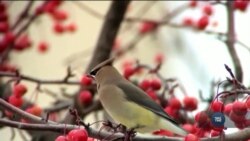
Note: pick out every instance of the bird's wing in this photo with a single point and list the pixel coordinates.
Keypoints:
(135, 94)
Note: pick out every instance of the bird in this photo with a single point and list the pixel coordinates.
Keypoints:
(129, 105)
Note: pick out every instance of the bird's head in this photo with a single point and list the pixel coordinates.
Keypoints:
(105, 72)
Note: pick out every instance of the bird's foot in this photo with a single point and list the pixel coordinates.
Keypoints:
(129, 134)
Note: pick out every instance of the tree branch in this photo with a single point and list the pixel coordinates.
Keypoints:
(104, 45)
(231, 40)
(108, 33)
(36, 80)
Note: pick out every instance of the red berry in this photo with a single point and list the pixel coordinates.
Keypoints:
(248, 103)
(3, 45)
(215, 133)
(37, 110)
(190, 103)
(60, 15)
(7, 67)
(240, 125)
(22, 42)
(86, 81)
(39, 10)
(128, 71)
(191, 137)
(4, 26)
(152, 94)
(15, 101)
(85, 97)
(71, 27)
(34, 110)
(78, 135)
(236, 118)
(239, 108)
(43, 47)
(3, 17)
(172, 112)
(208, 10)
(193, 3)
(217, 106)
(50, 7)
(174, 103)
(228, 108)
(188, 21)
(58, 28)
(203, 22)
(145, 84)
(61, 138)
(147, 26)
(9, 37)
(156, 84)
(127, 63)
(19, 90)
(163, 133)
(159, 58)
(2, 7)
(189, 128)
(201, 118)
(241, 5)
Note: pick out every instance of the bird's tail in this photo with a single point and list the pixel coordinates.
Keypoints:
(168, 125)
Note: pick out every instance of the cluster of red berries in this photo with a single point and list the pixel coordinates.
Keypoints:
(241, 5)
(203, 21)
(74, 135)
(16, 98)
(150, 86)
(172, 108)
(23, 41)
(236, 111)
(174, 105)
(85, 96)
(8, 37)
(129, 70)
(58, 15)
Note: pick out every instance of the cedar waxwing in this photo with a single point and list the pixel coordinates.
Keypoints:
(128, 104)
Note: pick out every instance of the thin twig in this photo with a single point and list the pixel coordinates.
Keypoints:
(38, 81)
(23, 15)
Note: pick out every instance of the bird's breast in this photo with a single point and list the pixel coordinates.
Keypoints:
(126, 112)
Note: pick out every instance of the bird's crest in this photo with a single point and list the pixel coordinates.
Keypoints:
(107, 62)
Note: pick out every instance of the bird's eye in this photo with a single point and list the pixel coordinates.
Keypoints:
(93, 72)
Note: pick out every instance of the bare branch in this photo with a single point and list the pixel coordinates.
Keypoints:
(231, 40)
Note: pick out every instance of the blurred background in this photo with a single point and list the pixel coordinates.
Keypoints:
(193, 57)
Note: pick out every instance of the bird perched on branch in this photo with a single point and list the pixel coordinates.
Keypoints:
(128, 104)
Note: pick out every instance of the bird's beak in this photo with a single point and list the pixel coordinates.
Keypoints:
(91, 76)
